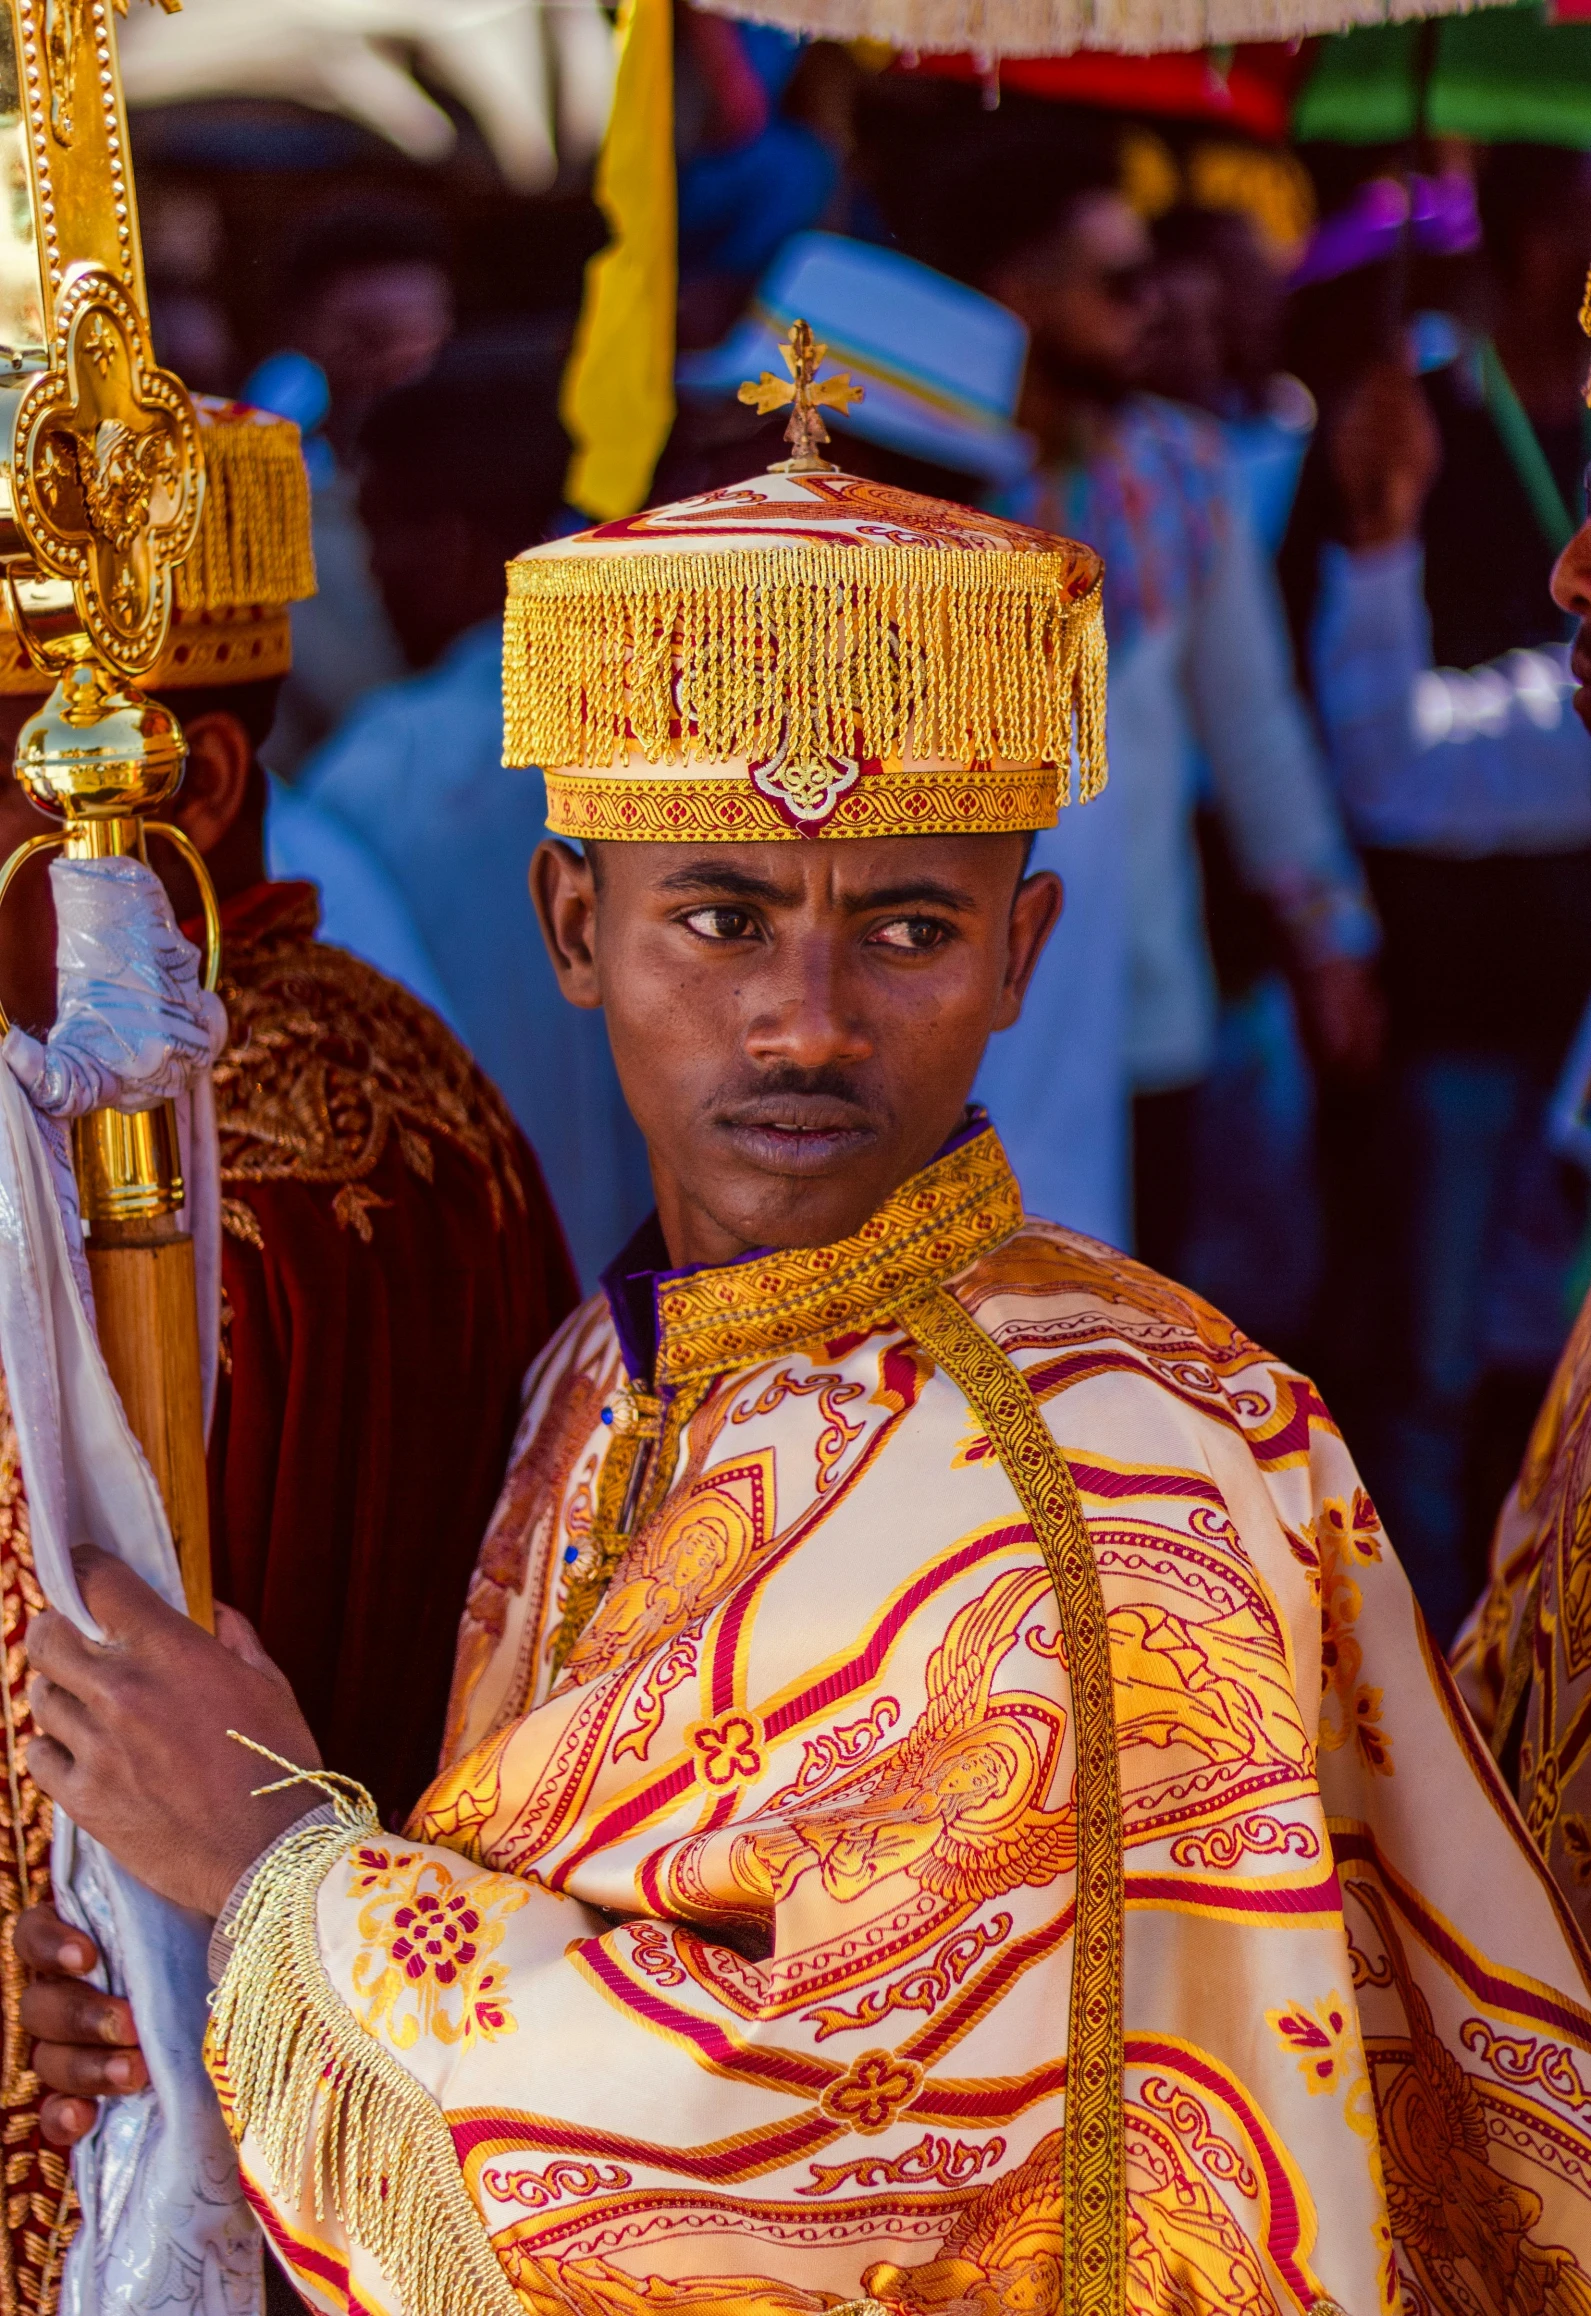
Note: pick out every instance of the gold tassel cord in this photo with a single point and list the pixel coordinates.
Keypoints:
(293, 2065)
(808, 652)
(254, 534)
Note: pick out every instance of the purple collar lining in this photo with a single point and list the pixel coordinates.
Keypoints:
(633, 1278)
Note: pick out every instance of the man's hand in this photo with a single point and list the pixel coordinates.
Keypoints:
(133, 1737)
(1343, 1015)
(1384, 451)
(86, 2046)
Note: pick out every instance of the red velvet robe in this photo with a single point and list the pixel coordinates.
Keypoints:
(391, 1264)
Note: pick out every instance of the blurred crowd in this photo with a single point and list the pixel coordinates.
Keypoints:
(1310, 1037)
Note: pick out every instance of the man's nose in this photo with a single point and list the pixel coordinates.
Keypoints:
(807, 1016)
(1571, 575)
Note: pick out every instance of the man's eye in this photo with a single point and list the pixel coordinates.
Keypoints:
(919, 934)
(720, 924)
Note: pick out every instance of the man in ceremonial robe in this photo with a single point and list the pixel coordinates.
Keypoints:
(390, 1263)
(947, 1802)
(1523, 1660)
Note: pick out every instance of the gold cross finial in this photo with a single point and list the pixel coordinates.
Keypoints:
(802, 393)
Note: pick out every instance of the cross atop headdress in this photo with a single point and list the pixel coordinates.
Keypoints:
(802, 392)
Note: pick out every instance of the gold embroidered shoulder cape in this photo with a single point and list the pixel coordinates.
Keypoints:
(948, 1801)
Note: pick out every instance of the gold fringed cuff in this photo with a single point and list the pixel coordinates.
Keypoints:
(944, 659)
(329, 2106)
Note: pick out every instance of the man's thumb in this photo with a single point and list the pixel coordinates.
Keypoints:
(116, 1597)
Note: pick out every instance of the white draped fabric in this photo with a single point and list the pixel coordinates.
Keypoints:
(164, 2221)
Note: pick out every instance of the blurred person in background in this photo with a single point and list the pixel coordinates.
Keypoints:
(361, 909)
(1031, 213)
(1214, 344)
(460, 470)
(1253, 1239)
(1440, 668)
(369, 305)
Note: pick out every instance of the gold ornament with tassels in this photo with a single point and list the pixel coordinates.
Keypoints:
(809, 654)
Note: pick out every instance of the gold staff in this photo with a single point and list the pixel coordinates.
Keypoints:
(101, 483)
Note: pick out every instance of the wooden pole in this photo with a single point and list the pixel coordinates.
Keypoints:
(144, 1300)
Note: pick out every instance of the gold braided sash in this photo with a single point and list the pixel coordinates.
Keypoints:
(1094, 2196)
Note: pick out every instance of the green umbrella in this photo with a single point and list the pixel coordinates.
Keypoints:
(1501, 73)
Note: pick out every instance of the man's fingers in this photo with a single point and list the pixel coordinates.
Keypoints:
(89, 2073)
(60, 1712)
(65, 2121)
(44, 1942)
(56, 1647)
(52, 1768)
(64, 2010)
(118, 1600)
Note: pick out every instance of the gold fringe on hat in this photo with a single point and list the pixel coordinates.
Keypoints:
(254, 536)
(946, 668)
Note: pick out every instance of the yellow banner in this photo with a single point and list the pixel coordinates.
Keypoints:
(618, 393)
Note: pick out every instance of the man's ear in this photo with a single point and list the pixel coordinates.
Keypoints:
(564, 888)
(1035, 913)
(215, 780)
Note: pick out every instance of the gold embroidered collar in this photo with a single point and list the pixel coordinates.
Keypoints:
(963, 1205)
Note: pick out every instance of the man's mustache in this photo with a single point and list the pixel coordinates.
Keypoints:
(827, 1096)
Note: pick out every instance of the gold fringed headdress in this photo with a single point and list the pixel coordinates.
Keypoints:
(251, 559)
(809, 654)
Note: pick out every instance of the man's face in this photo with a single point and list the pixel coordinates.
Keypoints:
(1087, 295)
(1571, 591)
(796, 1026)
(376, 327)
(1185, 352)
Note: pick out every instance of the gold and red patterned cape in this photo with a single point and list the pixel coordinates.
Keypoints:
(1523, 1661)
(728, 1968)
(390, 1265)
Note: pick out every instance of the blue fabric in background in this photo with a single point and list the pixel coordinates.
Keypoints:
(737, 208)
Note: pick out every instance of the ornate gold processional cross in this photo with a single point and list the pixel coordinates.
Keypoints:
(802, 393)
(101, 485)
